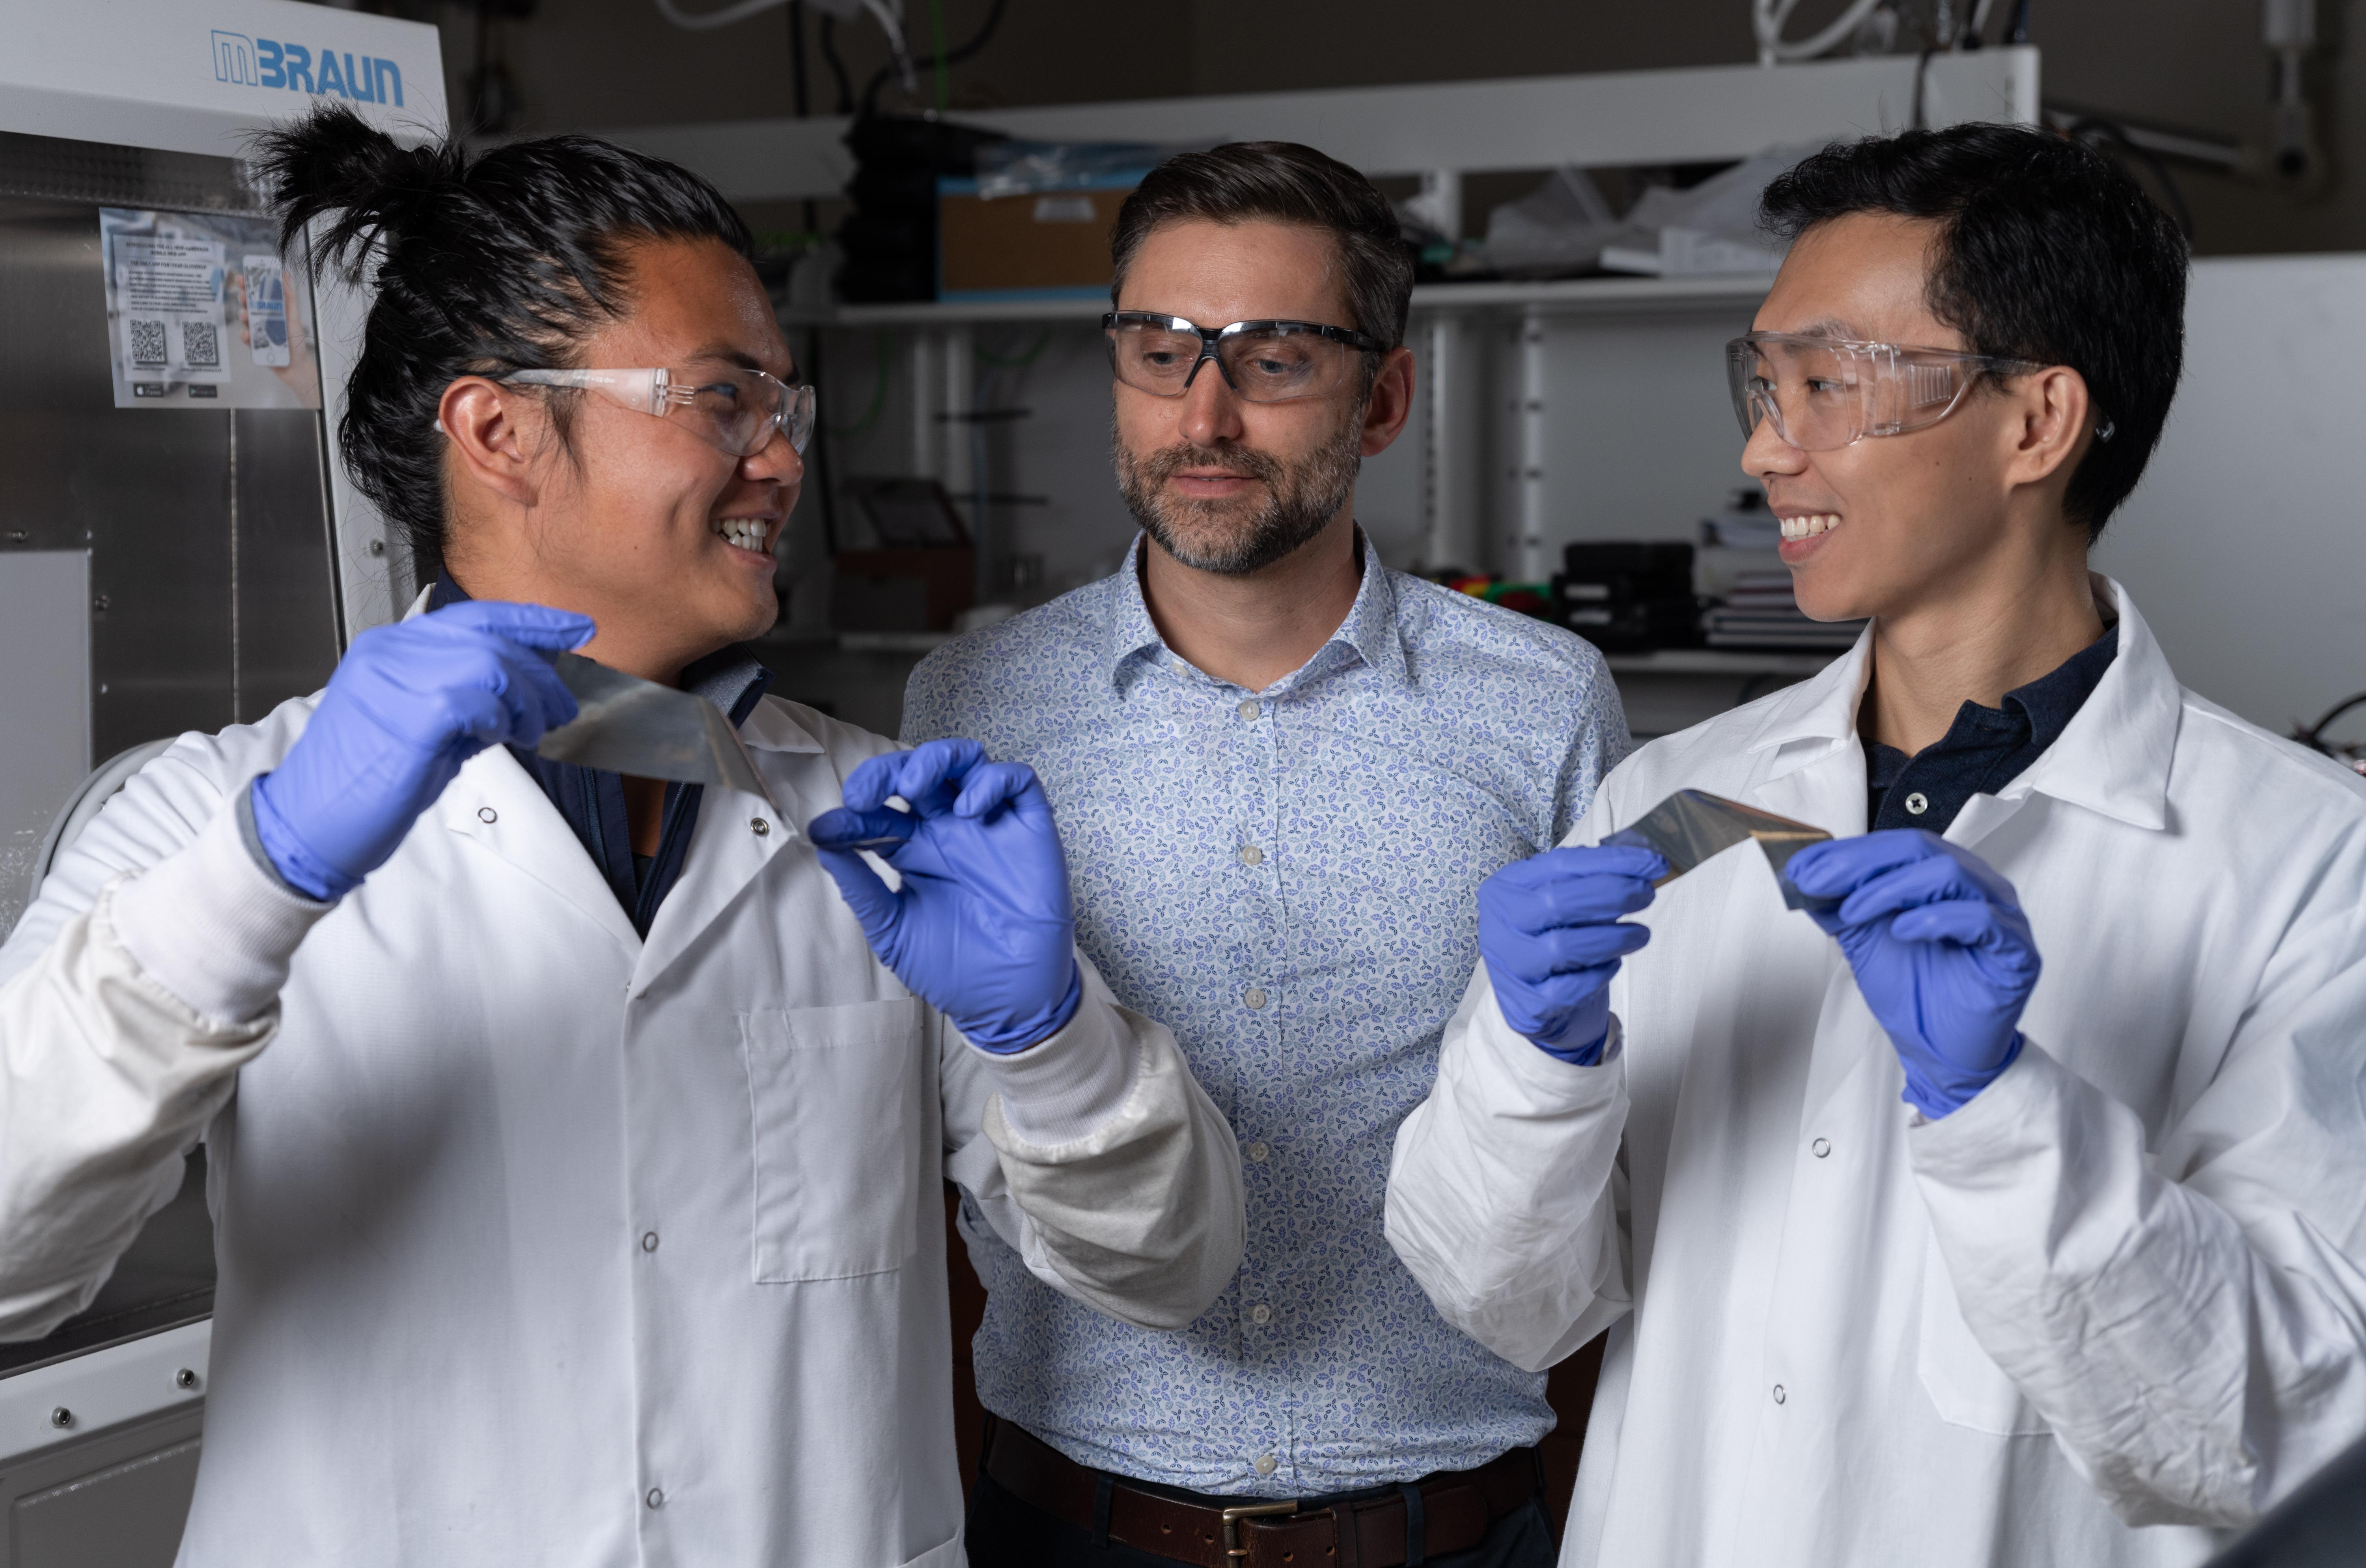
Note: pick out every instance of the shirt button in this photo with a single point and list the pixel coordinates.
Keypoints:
(758, 827)
(1256, 998)
(487, 814)
(1260, 1152)
(649, 1241)
(1821, 1147)
(1260, 1314)
(1267, 1464)
(1249, 710)
(656, 1499)
(1252, 855)
(1778, 1393)
(1917, 804)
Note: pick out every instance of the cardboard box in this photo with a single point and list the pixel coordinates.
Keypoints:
(902, 591)
(1040, 245)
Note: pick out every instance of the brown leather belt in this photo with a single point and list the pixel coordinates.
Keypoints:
(1368, 1531)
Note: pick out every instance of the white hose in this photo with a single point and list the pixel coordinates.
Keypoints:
(890, 16)
(708, 20)
(1767, 17)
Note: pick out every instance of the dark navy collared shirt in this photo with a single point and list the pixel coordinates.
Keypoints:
(1985, 749)
(592, 800)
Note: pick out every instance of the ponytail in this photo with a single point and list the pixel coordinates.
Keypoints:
(483, 265)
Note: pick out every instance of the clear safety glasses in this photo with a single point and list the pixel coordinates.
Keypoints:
(735, 410)
(1825, 393)
(1263, 362)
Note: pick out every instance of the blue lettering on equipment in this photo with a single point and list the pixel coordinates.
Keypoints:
(234, 59)
(270, 63)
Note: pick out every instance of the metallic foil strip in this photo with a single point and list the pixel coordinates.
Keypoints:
(631, 726)
(1691, 824)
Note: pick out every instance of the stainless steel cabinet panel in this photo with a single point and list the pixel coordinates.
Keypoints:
(115, 1500)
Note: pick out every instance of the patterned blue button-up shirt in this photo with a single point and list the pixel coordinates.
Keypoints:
(1286, 879)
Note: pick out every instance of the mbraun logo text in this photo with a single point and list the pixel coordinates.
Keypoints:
(267, 62)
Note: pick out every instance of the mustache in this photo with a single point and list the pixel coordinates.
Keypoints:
(1159, 467)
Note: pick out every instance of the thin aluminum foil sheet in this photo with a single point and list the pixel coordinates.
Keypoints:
(1691, 824)
(630, 725)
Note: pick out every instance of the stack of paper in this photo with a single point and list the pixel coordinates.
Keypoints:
(1760, 611)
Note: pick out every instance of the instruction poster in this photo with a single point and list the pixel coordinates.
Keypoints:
(202, 311)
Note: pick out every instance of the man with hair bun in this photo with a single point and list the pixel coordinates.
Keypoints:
(2095, 1291)
(1284, 770)
(575, 1141)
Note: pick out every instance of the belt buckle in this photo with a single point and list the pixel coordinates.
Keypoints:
(1233, 1547)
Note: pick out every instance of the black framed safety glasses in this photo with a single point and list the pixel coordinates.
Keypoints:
(1262, 362)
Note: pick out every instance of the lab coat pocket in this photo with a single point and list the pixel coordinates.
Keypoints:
(835, 1093)
(1969, 1389)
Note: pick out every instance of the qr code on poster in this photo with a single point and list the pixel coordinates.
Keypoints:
(147, 341)
(201, 345)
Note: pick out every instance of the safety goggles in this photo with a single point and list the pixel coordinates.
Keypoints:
(735, 410)
(1262, 362)
(1824, 394)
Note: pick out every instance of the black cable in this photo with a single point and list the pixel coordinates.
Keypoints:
(482, 76)
(821, 439)
(2089, 130)
(2307, 735)
(952, 57)
(801, 86)
(800, 80)
(2018, 31)
(1922, 70)
(837, 66)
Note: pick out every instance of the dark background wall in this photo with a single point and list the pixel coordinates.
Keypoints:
(586, 63)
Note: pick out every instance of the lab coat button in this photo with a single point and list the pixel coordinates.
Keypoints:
(1821, 1147)
(1256, 998)
(487, 814)
(1267, 1464)
(649, 1241)
(656, 1499)
(1260, 1152)
(1249, 710)
(758, 827)
(1917, 804)
(1251, 855)
(1778, 1393)
(1260, 1314)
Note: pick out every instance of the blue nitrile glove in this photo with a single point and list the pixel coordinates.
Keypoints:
(1550, 930)
(1942, 952)
(408, 703)
(982, 928)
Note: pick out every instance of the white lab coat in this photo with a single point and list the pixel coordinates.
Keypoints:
(2120, 1288)
(540, 1243)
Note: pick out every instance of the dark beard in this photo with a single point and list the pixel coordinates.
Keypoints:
(1235, 538)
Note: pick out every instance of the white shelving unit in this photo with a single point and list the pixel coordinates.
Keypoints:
(1466, 377)
(1548, 413)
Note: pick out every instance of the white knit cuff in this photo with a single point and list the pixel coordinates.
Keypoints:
(1071, 1084)
(211, 926)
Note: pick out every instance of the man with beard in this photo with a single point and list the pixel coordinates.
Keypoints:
(1283, 770)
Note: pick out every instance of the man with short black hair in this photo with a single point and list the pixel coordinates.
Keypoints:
(2096, 1293)
(1283, 770)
